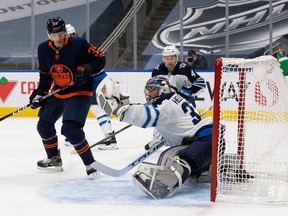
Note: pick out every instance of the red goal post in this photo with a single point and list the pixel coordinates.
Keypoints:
(250, 132)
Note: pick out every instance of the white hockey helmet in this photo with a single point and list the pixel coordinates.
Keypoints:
(70, 29)
(170, 51)
(158, 82)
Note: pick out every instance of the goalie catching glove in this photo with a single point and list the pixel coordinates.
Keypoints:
(111, 88)
(113, 105)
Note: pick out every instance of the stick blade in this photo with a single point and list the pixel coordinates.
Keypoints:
(108, 170)
(117, 173)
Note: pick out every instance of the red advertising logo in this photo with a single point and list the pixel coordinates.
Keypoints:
(6, 88)
(264, 90)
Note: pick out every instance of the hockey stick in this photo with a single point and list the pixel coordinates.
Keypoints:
(116, 172)
(29, 105)
(106, 138)
(211, 107)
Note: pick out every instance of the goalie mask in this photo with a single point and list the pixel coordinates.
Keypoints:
(155, 87)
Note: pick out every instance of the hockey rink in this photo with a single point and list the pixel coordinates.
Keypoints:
(28, 191)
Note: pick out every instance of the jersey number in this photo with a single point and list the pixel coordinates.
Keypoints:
(186, 107)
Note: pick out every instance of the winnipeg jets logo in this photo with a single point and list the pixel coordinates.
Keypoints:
(182, 65)
(156, 67)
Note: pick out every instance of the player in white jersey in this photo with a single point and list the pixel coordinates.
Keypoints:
(100, 80)
(188, 136)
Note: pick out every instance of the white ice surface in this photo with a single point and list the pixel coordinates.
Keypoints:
(24, 190)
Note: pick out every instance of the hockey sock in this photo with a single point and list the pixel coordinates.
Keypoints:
(85, 153)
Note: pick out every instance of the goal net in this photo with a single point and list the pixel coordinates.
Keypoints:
(250, 134)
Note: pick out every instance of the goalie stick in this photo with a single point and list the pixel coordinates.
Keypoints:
(117, 132)
(106, 138)
(119, 172)
(29, 105)
(211, 107)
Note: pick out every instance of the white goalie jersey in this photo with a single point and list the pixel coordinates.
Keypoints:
(174, 117)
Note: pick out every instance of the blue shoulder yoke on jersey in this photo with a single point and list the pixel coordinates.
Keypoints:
(158, 101)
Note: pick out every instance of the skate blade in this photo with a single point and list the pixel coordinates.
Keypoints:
(51, 169)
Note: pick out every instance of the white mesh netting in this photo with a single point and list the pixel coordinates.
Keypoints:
(253, 139)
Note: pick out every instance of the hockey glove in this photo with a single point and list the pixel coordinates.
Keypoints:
(123, 104)
(187, 94)
(111, 88)
(36, 98)
(113, 105)
(82, 73)
(157, 137)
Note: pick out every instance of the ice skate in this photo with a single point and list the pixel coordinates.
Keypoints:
(109, 144)
(51, 164)
(92, 173)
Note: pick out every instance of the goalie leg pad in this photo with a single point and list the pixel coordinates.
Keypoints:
(148, 178)
(160, 181)
(157, 191)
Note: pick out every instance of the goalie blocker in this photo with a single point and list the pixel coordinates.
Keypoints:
(113, 105)
(111, 100)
